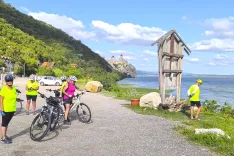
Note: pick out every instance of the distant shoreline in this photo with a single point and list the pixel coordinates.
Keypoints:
(201, 76)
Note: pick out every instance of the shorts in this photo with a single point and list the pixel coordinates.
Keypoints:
(7, 118)
(67, 101)
(31, 97)
(197, 103)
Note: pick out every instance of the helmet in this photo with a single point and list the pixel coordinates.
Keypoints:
(63, 78)
(72, 78)
(32, 77)
(199, 81)
(9, 77)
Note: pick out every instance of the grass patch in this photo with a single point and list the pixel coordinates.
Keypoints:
(128, 91)
(220, 145)
(175, 116)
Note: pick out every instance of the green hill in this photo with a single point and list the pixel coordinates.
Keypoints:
(31, 42)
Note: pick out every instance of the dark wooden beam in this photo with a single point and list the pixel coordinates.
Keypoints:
(172, 55)
(172, 40)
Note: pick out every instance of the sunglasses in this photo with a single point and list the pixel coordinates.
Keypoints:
(9, 81)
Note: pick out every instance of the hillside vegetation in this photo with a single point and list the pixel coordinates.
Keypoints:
(31, 42)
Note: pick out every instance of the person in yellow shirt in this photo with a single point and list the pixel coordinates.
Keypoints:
(32, 87)
(194, 98)
(8, 96)
(64, 82)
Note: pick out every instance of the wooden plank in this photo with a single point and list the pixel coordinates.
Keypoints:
(170, 80)
(172, 41)
(159, 66)
(179, 76)
(165, 65)
(172, 71)
(160, 73)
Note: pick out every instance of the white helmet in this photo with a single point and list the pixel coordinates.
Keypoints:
(63, 78)
(72, 78)
(32, 77)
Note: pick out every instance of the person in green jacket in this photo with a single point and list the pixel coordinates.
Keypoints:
(194, 98)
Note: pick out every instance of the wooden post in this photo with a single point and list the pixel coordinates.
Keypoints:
(159, 66)
(161, 78)
(179, 75)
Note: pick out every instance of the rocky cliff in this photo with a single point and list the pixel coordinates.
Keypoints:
(123, 66)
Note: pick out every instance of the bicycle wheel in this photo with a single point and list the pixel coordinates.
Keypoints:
(83, 113)
(44, 120)
(19, 106)
(54, 119)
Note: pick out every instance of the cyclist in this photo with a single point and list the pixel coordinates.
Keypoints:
(32, 87)
(194, 98)
(64, 82)
(68, 93)
(8, 96)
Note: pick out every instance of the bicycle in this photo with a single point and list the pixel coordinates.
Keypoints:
(79, 106)
(48, 111)
(19, 105)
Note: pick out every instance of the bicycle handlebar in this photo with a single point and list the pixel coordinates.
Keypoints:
(77, 95)
(18, 91)
(51, 90)
(42, 95)
(45, 97)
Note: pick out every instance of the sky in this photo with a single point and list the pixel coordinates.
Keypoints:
(130, 27)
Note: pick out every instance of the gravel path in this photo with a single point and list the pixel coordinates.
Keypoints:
(114, 130)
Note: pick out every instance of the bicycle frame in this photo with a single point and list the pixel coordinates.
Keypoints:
(77, 99)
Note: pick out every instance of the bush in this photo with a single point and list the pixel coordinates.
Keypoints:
(43, 71)
(58, 72)
(211, 106)
(227, 109)
(73, 71)
(107, 79)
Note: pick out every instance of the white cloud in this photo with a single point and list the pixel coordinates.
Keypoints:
(127, 33)
(155, 54)
(219, 37)
(220, 24)
(98, 52)
(146, 59)
(211, 64)
(220, 57)
(222, 34)
(222, 60)
(192, 60)
(129, 57)
(62, 22)
(25, 9)
(120, 52)
(67, 24)
(184, 17)
(124, 33)
(214, 45)
(148, 65)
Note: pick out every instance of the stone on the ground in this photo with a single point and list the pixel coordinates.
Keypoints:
(93, 86)
(151, 100)
(175, 107)
(211, 131)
